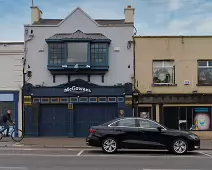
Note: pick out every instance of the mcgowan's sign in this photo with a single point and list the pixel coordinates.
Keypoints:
(77, 90)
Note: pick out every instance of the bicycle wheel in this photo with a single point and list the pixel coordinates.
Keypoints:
(17, 135)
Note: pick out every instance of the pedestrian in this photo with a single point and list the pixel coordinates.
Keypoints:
(4, 119)
(121, 114)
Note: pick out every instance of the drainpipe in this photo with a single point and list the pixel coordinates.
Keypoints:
(134, 80)
(24, 82)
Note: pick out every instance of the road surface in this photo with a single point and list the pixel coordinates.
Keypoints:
(90, 159)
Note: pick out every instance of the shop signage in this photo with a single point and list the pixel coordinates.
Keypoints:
(76, 89)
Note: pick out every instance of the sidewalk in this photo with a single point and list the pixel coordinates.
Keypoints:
(76, 143)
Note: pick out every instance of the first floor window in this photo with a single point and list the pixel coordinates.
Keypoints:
(204, 72)
(57, 53)
(77, 52)
(98, 53)
(163, 72)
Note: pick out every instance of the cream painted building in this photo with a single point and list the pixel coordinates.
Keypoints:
(173, 79)
(11, 66)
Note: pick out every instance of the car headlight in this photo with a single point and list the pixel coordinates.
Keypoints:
(193, 136)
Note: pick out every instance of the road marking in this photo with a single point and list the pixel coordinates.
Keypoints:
(117, 156)
(80, 152)
(206, 154)
(10, 168)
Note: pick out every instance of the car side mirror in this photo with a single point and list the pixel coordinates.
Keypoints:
(159, 128)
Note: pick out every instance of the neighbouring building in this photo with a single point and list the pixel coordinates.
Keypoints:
(11, 68)
(79, 72)
(173, 81)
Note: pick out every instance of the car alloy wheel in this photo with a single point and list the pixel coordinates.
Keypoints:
(179, 146)
(109, 145)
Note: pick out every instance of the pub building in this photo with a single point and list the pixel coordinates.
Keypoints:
(70, 109)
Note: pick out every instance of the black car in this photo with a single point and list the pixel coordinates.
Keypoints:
(140, 133)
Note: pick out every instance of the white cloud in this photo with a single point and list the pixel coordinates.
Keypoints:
(205, 25)
(174, 5)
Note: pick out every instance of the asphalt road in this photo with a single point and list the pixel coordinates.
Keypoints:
(77, 159)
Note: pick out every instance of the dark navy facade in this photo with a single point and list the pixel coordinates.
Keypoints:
(70, 109)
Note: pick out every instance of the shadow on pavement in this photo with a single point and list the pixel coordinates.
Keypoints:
(140, 152)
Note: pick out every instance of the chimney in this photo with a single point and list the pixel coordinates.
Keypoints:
(36, 13)
(129, 14)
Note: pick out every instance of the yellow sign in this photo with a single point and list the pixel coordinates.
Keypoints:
(70, 106)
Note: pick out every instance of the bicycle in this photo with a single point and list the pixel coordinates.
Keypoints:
(15, 134)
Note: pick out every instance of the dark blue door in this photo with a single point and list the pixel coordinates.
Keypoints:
(87, 115)
(53, 120)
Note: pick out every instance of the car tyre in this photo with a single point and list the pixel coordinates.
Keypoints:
(109, 145)
(179, 146)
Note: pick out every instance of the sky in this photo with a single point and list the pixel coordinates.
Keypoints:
(152, 17)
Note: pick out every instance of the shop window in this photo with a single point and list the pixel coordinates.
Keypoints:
(64, 100)
(163, 72)
(54, 100)
(205, 72)
(73, 99)
(120, 99)
(36, 100)
(188, 118)
(45, 100)
(102, 99)
(83, 99)
(93, 99)
(145, 112)
(111, 99)
(4, 106)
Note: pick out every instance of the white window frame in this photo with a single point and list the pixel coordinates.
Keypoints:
(204, 66)
(207, 66)
(163, 66)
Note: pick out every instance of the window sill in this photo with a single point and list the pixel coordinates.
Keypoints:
(203, 84)
(163, 84)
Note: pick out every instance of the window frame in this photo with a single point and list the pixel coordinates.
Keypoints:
(203, 67)
(110, 125)
(161, 67)
(163, 128)
(89, 54)
(80, 63)
(50, 56)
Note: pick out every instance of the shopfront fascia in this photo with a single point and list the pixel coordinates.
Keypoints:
(74, 96)
(178, 111)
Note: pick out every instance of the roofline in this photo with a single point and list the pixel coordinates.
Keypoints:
(111, 25)
(174, 36)
(12, 42)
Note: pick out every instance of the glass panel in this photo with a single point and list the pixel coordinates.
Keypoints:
(125, 122)
(163, 75)
(147, 124)
(204, 75)
(77, 52)
(4, 106)
(202, 118)
(171, 117)
(144, 112)
(202, 63)
(57, 53)
(168, 63)
(157, 64)
(99, 53)
(209, 63)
